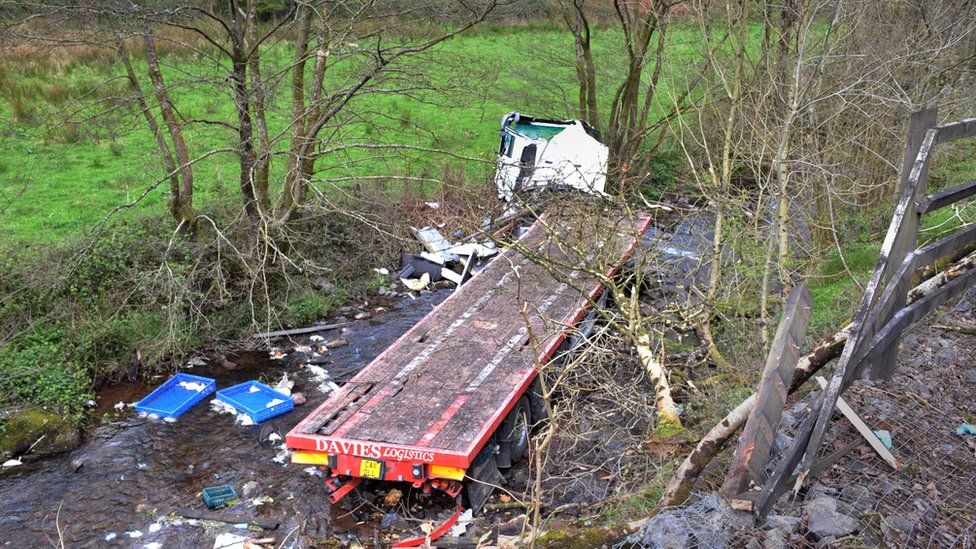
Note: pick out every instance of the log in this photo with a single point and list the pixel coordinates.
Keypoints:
(667, 414)
(300, 331)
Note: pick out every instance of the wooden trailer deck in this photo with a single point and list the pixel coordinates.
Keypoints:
(438, 393)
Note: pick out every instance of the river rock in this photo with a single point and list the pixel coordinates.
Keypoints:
(664, 530)
(339, 342)
(25, 428)
(824, 520)
(298, 399)
(786, 523)
(363, 315)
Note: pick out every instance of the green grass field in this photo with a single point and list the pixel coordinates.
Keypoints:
(62, 178)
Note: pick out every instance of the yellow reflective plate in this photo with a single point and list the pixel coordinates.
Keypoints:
(371, 469)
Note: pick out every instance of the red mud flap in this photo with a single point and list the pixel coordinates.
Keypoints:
(340, 490)
(435, 534)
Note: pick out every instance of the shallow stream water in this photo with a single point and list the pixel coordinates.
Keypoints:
(134, 471)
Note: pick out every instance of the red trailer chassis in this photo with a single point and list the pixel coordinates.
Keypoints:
(423, 410)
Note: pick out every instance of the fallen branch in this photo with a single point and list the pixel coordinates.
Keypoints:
(299, 331)
(709, 446)
(958, 329)
(667, 414)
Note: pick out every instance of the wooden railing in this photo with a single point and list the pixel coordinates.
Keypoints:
(884, 312)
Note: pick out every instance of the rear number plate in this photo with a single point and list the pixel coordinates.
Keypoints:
(369, 468)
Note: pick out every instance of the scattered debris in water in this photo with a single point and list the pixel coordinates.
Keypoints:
(222, 407)
(12, 463)
(133, 534)
(284, 386)
(262, 500)
(229, 541)
(194, 386)
(110, 536)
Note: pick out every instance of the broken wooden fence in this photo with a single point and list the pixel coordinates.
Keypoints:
(756, 443)
(884, 313)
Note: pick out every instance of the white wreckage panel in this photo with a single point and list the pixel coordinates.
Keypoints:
(540, 153)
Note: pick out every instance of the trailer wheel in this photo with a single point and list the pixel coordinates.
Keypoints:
(515, 430)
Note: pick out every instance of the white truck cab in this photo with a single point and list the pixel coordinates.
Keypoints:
(536, 153)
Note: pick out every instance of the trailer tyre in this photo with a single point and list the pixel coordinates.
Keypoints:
(515, 429)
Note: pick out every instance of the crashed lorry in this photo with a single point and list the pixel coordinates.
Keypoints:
(452, 401)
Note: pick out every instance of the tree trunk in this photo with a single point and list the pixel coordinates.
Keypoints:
(181, 203)
(245, 133)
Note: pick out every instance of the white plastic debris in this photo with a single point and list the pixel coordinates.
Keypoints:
(222, 407)
(120, 406)
(382, 271)
(110, 536)
(318, 373)
(90, 403)
(194, 386)
(433, 205)
(416, 284)
(262, 500)
(169, 419)
(12, 463)
(274, 437)
(316, 338)
(313, 471)
(153, 545)
(196, 361)
(461, 526)
(229, 541)
(303, 349)
(133, 534)
(322, 377)
(282, 457)
(284, 386)
(154, 527)
(241, 526)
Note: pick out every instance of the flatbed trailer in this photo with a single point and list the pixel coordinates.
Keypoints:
(426, 408)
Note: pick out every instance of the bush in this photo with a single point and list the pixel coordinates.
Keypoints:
(37, 370)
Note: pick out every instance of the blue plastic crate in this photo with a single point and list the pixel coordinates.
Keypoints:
(170, 399)
(256, 400)
(215, 496)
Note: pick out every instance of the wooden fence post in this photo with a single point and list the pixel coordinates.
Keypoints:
(756, 441)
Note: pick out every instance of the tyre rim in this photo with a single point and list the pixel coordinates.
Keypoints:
(521, 431)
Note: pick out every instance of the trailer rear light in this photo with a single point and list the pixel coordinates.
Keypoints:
(314, 458)
(418, 470)
(443, 471)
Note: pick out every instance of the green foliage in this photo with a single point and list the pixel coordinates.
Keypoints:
(39, 369)
(307, 306)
